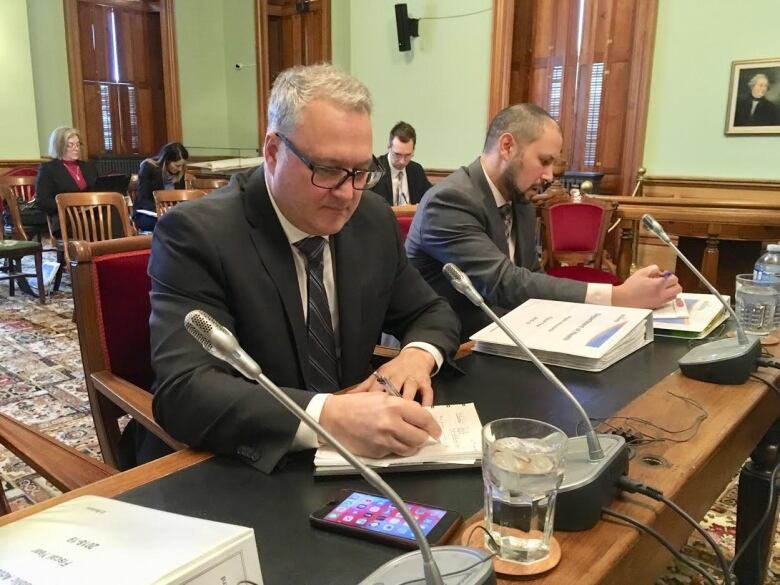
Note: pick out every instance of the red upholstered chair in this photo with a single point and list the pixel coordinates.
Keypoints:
(111, 295)
(23, 171)
(574, 237)
(404, 214)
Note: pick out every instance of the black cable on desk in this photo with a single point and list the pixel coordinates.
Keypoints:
(768, 362)
(762, 522)
(663, 541)
(769, 383)
(631, 486)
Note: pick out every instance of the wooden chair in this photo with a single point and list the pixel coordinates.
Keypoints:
(92, 217)
(23, 189)
(165, 200)
(404, 214)
(204, 184)
(111, 296)
(574, 233)
(23, 171)
(63, 466)
(13, 251)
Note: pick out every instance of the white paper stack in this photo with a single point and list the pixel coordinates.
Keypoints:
(460, 445)
(571, 335)
(93, 541)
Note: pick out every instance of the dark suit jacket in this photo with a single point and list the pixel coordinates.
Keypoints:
(458, 221)
(53, 178)
(765, 114)
(150, 179)
(228, 255)
(415, 177)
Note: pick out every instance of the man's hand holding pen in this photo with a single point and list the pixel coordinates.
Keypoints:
(406, 375)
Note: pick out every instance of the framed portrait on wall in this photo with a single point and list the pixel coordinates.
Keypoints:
(754, 97)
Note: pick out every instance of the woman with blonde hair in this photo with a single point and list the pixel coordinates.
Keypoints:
(64, 173)
(162, 172)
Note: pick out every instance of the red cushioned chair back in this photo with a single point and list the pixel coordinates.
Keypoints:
(122, 288)
(575, 227)
(404, 223)
(23, 171)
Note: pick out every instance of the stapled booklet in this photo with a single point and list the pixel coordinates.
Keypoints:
(704, 313)
(460, 445)
(570, 335)
(93, 541)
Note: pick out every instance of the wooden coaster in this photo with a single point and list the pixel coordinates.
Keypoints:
(474, 537)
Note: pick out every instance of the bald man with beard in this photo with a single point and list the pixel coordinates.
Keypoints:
(480, 218)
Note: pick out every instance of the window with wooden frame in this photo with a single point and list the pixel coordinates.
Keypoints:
(588, 62)
(120, 67)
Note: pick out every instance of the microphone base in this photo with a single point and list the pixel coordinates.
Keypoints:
(589, 485)
(724, 361)
(408, 568)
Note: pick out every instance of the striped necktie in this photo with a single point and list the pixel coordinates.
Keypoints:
(400, 197)
(323, 366)
(506, 214)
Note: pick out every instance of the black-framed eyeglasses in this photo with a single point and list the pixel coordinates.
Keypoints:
(334, 177)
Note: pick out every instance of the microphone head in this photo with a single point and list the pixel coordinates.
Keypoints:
(199, 324)
(649, 222)
(462, 283)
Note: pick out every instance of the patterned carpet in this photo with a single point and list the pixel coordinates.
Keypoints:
(42, 384)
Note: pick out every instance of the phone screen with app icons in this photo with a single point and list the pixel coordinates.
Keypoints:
(376, 517)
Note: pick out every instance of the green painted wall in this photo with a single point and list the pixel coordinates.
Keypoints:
(241, 89)
(440, 87)
(200, 43)
(340, 32)
(18, 124)
(695, 45)
(49, 67)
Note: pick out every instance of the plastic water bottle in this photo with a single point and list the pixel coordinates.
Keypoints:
(767, 269)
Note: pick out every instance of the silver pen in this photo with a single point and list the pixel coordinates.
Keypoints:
(387, 384)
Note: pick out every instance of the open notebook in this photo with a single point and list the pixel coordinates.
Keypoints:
(460, 445)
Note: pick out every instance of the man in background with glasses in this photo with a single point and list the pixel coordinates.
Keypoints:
(404, 181)
(306, 268)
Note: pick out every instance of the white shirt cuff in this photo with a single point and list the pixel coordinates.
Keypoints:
(599, 294)
(431, 349)
(305, 437)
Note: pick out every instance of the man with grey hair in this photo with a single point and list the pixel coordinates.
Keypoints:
(753, 108)
(480, 219)
(306, 269)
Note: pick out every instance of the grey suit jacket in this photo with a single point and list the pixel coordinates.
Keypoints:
(227, 254)
(458, 221)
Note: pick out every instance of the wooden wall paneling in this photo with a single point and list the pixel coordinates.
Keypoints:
(500, 57)
(522, 39)
(638, 92)
(170, 66)
(77, 98)
(262, 58)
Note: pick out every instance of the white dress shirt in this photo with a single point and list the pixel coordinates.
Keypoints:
(597, 293)
(305, 437)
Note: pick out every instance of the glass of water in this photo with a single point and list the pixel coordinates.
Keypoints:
(522, 467)
(756, 304)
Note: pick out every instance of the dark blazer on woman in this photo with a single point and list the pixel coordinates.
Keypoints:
(150, 179)
(53, 179)
(227, 254)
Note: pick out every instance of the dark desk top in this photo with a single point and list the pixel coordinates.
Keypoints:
(277, 506)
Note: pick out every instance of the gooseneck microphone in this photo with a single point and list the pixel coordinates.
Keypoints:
(471, 566)
(591, 469)
(725, 361)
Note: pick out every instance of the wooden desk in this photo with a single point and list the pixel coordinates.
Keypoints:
(712, 221)
(694, 472)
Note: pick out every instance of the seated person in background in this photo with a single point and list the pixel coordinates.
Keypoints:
(275, 259)
(160, 173)
(65, 173)
(404, 181)
(480, 219)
